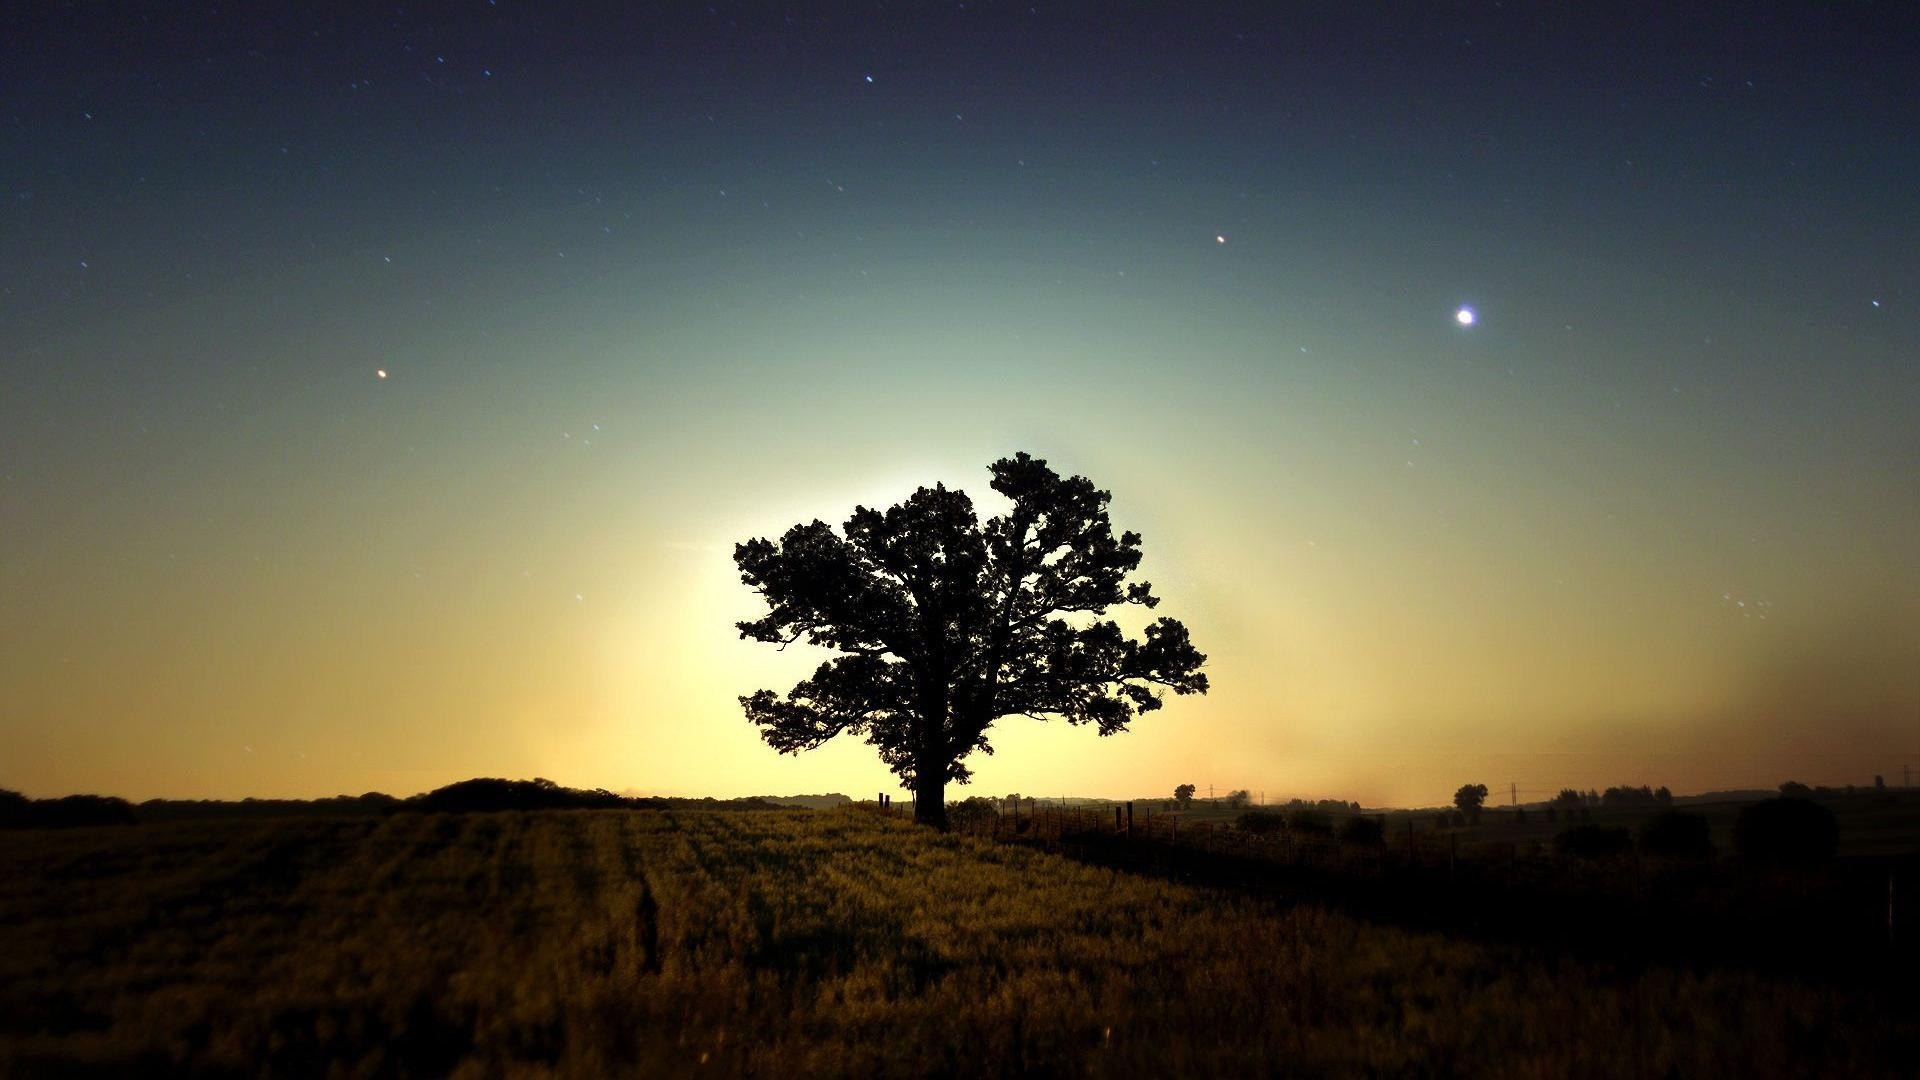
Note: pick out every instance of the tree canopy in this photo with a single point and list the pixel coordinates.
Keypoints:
(1469, 799)
(946, 623)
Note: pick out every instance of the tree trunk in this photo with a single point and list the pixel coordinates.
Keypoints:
(930, 796)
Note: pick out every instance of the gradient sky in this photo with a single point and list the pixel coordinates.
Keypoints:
(646, 285)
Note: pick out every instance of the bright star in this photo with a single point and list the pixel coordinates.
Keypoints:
(1464, 316)
(379, 373)
(1219, 239)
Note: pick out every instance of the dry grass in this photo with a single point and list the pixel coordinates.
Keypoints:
(615, 942)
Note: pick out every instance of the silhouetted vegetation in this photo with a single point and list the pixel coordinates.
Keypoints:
(1183, 795)
(1676, 834)
(72, 811)
(466, 796)
(488, 794)
(925, 595)
(1787, 831)
(1261, 821)
(971, 813)
(1362, 831)
(1309, 823)
(1469, 799)
(1625, 796)
(1593, 841)
(372, 804)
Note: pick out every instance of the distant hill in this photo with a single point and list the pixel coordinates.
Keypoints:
(479, 795)
(810, 802)
(1744, 795)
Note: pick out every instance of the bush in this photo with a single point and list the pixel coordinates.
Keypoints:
(1311, 822)
(488, 794)
(973, 812)
(1364, 832)
(1677, 834)
(1593, 841)
(1260, 821)
(18, 812)
(1786, 831)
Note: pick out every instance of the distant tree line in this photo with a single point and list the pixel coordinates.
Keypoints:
(467, 796)
(1785, 831)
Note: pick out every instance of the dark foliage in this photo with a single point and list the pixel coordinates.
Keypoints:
(1325, 806)
(1469, 799)
(1310, 822)
(1364, 831)
(1794, 789)
(1677, 834)
(73, 811)
(487, 793)
(1261, 821)
(1786, 831)
(1593, 841)
(946, 624)
(1626, 796)
(973, 812)
(1183, 795)
(371, 804)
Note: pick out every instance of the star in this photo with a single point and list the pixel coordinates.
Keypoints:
(1464, 316)
(379, 373)
(1219, 239)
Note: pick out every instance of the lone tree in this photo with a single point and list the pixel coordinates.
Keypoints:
(1183, 794)
(1469, 798)
(947, 624)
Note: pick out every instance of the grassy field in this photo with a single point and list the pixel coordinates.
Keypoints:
(597, 942)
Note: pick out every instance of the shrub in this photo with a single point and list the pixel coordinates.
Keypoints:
(973, 812)
(1677, 834)
(1363, 832)
(1593, 841)
(72, 811)
(1311, 822)
(1786, 831)
(1260, 821)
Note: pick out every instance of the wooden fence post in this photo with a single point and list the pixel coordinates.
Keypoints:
(1129, 817)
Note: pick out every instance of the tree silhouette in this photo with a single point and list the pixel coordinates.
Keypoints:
(947, 624)
(1183, 794)
(1469, 798)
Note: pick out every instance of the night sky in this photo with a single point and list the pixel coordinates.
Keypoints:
(382, 391)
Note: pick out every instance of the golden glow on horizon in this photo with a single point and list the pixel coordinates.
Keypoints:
(1403, 583)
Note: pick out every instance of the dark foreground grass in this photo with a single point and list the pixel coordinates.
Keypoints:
(624, 942)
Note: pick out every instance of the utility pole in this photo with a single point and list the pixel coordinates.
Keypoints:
(1513, 793)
